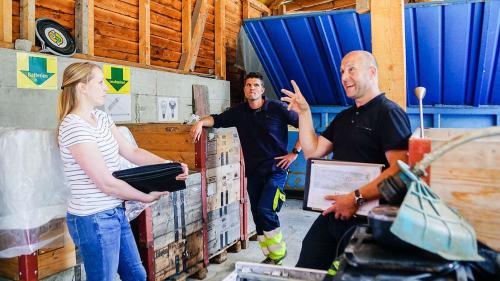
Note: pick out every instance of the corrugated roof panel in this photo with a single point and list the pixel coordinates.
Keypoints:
(452, 49)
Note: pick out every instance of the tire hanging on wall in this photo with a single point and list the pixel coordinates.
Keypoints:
(54, 38)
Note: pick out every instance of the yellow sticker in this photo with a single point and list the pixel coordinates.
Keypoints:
(36, 71)
(117, 78)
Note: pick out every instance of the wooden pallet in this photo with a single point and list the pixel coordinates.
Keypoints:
(251, 237)
(221, 256)
(198, 271)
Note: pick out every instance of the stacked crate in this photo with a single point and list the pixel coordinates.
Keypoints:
(172, 233)
(224, 196)
(47, 261)
(177, 230)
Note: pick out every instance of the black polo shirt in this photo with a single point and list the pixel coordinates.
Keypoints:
(364, 134)
(263, 133)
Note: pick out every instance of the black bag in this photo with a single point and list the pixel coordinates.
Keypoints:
(159, 177)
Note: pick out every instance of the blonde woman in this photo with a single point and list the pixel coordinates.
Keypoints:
(90, 146)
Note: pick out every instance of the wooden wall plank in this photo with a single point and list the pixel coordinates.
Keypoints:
(220, 46)
(301, 4)
(188, 60)
(84, 26)
(6, 21)
(27, 20)
(337, 5)
(388, 45)
(144, 32)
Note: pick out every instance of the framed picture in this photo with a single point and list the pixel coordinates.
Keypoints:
(331, 177)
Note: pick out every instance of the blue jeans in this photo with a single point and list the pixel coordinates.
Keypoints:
(106, 245)
(262, 191)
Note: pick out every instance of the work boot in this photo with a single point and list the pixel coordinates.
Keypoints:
(268, 260)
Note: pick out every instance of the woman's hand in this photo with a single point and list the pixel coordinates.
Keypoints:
(185, 173)
(155, 195)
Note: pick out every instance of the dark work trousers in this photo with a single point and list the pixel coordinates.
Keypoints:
(319, 247)
(262, 191)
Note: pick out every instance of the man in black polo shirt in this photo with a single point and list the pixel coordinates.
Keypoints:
(262, 126)
(373, 130)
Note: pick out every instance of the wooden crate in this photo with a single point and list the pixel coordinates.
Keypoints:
(223, 186)
(55, 257)
(170, 141)
(223, 147)
(176, 257)
(223, 228)
(171, 233)
(466, 178)
(178, 214)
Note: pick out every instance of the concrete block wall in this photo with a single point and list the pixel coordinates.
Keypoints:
(27, 108)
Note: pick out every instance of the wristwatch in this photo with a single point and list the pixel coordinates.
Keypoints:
(295, 151)
(360, 201)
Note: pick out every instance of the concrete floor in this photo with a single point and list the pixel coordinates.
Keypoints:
(295, 223)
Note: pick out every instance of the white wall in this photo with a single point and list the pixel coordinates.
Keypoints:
(26, 108)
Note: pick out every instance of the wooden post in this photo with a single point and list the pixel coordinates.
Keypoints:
(201, 163)
(246, 9)
(144, 32)
(220, 46)
(28, 267)
(199, 18)
(84, 26)
(6, 21)
(388, 45)
(362, 6)
(28, 20)
(146, 242)
(186, 27)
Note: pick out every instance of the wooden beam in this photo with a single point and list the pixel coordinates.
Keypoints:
(256, 5)
(260, 7)
(27, 16)
(6, 45)
(388, 45)
(144, 32)
(301, 4)
(6, 21)
(200, 13)
(341, 4)
(246, 9)
(84, 26)
(362, 6)
(186, 26)
(220, 46)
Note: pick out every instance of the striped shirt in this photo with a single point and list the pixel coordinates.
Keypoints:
(86, 198)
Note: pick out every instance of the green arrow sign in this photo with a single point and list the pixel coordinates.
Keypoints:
(116, 81)
(37, 70)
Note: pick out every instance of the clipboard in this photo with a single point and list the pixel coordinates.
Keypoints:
(326, 176)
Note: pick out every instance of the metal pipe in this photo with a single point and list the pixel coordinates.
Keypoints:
(420, 94)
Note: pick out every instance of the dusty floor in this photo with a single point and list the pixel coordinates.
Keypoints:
(295, 224)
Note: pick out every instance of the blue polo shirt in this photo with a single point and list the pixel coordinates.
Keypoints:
(263, 133)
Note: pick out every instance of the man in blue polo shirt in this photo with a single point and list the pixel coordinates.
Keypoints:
(373, 130)
(262, 126)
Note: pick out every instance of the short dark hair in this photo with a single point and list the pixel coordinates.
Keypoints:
(254, 75)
